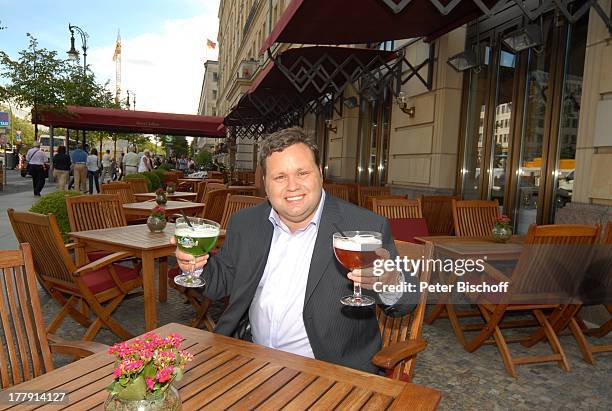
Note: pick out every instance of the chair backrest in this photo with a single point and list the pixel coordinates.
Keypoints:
(212, 187)
(123, 190)
(474, 218)
(51, 259)
(438, 211)
(24, 352)
(139, 185)
(363, 192)
(172, 176)
(337, 190)
(215, 204)
(397, 208)
(243, 190)
(215, 174)
(94, 212)
(235, 202)
(370, 199)
(410, 326)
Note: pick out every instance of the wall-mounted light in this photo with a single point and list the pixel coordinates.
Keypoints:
(403, 104)
(524, 38)
(247, 68)
(351, 102)
(464, 61)
(329, 124)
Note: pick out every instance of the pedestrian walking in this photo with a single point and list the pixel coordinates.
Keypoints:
(79, 169)
(106, 167)
(145, 162)
(36, 160)
(130, 161)
(61, 167)
(93, 170)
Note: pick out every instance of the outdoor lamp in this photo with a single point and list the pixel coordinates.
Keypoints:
(463, 61)
(403, 104)
(524, 38)
(329, 124)
(73, 54)
(350, 102)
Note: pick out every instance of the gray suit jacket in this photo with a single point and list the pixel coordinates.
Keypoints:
(342, 335)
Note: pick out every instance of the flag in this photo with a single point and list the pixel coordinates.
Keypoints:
(211, 44)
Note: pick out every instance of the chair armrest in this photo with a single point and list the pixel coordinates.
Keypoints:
(71, 246)
(79, 348)
(390, 356)
(103, 262)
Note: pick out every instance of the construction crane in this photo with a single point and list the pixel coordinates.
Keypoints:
(117, 60)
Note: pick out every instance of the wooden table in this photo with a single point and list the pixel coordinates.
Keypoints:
(177, 195)
(143, 209)
(193, 182)
(228, 373)
(476, 247)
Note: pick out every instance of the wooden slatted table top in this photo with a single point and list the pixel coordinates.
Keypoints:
(132, 236)
(190, 179)
(231, 374)
(170, 205)
(476, 246)
(187, 195)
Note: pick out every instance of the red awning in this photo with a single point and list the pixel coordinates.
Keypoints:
(368, 21)
(299, 75)
(126, 121)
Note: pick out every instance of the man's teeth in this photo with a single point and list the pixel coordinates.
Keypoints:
(295, 198)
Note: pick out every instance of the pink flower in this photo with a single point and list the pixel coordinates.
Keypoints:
(164, 374)
(150, 383)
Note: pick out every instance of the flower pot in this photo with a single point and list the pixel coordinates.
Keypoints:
(161, 199)
(170, 189)
(501, 234)
(169, 400)
(156, 224)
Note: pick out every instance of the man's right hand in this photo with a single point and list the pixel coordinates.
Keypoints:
(185, 260)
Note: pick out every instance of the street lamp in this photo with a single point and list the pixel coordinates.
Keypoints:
(73, 54)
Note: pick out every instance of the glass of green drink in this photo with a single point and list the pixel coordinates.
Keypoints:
(197, 239)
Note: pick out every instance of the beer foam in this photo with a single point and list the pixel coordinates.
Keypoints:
(358, 243)
(183, 230)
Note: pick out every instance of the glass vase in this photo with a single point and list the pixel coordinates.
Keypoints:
(501, 234)
(161, 199)
(169, 400)
(156, 224)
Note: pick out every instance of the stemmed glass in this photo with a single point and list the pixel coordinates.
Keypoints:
(196, 239)
(357, 249)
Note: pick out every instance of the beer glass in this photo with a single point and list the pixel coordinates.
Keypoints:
(196, 240)
(357, 249)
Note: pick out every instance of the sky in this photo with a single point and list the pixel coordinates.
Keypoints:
(163, 43)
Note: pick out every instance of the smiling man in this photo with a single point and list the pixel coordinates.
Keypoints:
(278, 266)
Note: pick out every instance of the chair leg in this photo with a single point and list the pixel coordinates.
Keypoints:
(67, 309)
(583, 344)
(435, 313)
(452, 316)
(606, 328)
(552, 339)
(104, 315)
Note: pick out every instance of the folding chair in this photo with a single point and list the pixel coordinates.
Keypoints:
(438, 212)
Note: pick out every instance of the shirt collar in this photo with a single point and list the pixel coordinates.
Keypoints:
(316, 219)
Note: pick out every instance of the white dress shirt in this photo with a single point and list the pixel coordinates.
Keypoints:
(276, 311)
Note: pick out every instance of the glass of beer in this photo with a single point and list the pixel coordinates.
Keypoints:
(196, 240)
(357, 249)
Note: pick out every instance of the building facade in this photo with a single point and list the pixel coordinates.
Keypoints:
(209, 95)
(526, 128)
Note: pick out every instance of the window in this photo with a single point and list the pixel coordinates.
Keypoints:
(215, 77)
(214, 92)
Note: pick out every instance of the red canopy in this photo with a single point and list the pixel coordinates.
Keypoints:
(126, 121)
(368, 21)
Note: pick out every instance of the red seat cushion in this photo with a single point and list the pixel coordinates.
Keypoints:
(96, 255)
(405, 229)
(101, 280)
(174, 271)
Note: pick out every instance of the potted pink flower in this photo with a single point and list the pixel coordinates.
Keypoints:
(502, 229)
(160, 196)
(145, 369)
(157, 220)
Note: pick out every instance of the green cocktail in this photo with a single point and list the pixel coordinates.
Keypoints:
(196, 240)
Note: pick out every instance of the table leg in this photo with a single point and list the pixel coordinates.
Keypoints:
(148, 285)
(163, 279)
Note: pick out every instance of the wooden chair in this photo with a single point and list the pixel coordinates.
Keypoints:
(235, 202)
(474, 218)
(99, 286)
(202, 188)
(337, 190)
(139, 185)
(123, 190)
(397, 208)
(243, 190)
(438, 212)
(28, 347)
(530, 283)
(370, 199)
(94, 212)
(402, 337)
(215, 174)
(215, 204)
(363, 192)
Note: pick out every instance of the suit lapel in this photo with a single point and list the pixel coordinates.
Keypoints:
(323, 254)
(261, 248)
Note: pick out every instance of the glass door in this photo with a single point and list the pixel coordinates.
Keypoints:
(374, 132)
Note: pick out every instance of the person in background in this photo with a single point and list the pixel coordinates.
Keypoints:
(145, 162)
(121, 167)
(191, 165)
(79, 164)
(130, 162)
(106, 168)
(61, 167)
(93, 165)
(36, 160)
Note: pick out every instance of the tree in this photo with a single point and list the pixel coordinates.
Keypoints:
(35, 78)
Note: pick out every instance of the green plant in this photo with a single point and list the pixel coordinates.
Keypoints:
(160, 174)
(164, 167)
(55, 203)
(204, 158)
(156, 181)
(142, 175)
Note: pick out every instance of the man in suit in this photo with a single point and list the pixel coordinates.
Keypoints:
(277, 264)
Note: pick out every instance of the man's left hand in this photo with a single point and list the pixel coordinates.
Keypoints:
(366, 277)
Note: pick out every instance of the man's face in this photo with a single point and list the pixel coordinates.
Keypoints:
(293, 184)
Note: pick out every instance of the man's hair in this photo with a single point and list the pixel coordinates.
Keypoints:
(61, 150)
(280, 140)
